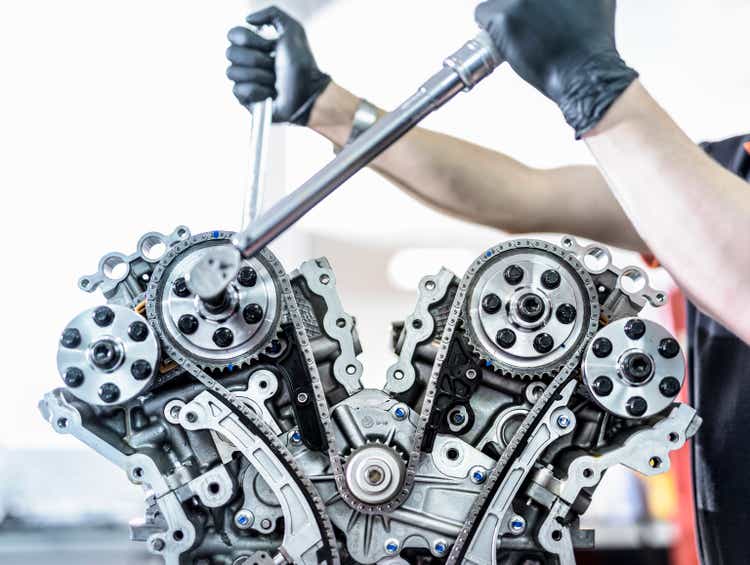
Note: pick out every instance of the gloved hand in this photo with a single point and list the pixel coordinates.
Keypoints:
(283, 69)
(565, 49)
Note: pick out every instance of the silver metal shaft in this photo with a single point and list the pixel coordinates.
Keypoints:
(461, 71)
(261, 124)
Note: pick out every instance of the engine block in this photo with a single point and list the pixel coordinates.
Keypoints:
(515, 387)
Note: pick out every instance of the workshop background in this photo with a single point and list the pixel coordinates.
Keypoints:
(117, 119)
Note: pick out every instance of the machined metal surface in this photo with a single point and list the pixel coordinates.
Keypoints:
(634, 374)
(107, 355)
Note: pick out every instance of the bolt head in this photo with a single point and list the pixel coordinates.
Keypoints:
(252, 313)
(478, 475)
(517, 524)
(391, 546)
(457, 418)
(636, 406)
(669, 348)
(302, 397)
(531, 307)
(550, 279)
(564, 421)
(138, 331)
(73, 377)
(601, 347)
(566, 313)
(506, 338)
(513, 275)
(247, 276)
(109, 393)
(669, 387)
(602, 386)
(188, 324)
(103, 316)
(141, 369)
(71, 338)
(180, 288)
(296, 437)
(223, 337)
(543, 343)
(635, 328)
(491, 303)
(440, 547)
(244, 519)
(399, 413)
(105, 354)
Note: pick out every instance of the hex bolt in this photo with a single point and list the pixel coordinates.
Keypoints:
(223, 337)
(513, 275)
(252, 313)
(295, 437)
(544, 343)
(71, 338)
(635, 328)
(457, 418)
(531, 308)
(73, 377)
(491, 303)
(636, 406)
(244, 519)
(180, 287)
(141, 369)
(566, 313)
(550, 279)
(302, 398)
(247, 276)
(478, 475)
(564, 421)
(103, 316)
(506, 338)
(471, 374)
(602, 386)
(188, 324)
(109, 392)
(138, 331)
(392, 546)
(669, 387)
(324, 279)
(601, 347)
(669, 348)
(400, 413)
(105, 354)
(157, 544)
(517, 525)
(440, 547)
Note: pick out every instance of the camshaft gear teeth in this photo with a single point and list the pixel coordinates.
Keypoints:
(216, 336)
(531, 307)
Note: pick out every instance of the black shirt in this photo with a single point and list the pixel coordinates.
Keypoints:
(719, 369)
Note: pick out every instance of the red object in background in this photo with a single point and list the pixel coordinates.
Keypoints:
(684, 551)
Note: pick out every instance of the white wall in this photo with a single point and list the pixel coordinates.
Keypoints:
(116, 119)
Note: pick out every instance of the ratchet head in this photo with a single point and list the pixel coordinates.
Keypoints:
(210, 277)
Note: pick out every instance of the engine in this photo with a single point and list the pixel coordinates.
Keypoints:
(516, 387)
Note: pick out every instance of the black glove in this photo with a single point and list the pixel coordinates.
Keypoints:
(565, 49)
(284, 69)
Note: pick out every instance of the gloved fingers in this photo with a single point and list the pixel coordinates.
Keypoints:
(248, 92)
(251, 74)
(245, 57)
(243, 37)
(273, 15)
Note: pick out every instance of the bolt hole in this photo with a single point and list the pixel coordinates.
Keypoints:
(325, 279)
(351, 369)
(632, 280)
(182, 233)
(191, 417)
(152, 247)
(417, 324)
(341, 322)
(115, 268)
(85, 283)
(138, 473)
(214, 488)
(588, 473)
(674, 437)
(178, 535)
(452, 453)
(263, 384)
(62, 423)
(398, 375)
(430, 285)
(597, 259)
(557, 535)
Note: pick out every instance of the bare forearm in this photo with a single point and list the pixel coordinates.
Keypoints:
(692, 213)
(484, 186)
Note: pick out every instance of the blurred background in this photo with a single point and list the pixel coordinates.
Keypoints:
(117, 119)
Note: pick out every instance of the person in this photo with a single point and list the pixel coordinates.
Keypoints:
(652, 191)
